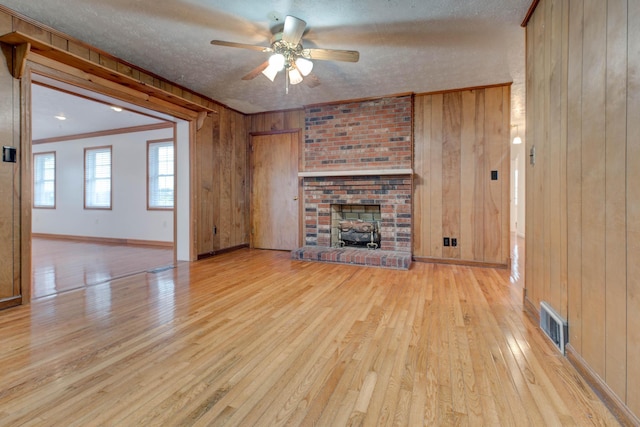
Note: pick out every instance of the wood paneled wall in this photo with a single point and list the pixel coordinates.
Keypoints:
(278, 121)
(460, 137)
(583, 197)
(222, 182)
(10, 179)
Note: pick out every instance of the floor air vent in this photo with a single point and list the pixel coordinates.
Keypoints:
(553, 325)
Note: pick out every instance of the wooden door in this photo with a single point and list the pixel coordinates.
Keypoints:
(274, 191)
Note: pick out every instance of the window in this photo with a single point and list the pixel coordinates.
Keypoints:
(44, 180)
(97, 178)
(160, 174)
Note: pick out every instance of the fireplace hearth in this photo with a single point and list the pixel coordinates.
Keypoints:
(379, 202)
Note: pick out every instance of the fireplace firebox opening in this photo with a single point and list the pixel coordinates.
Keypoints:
(355, 226)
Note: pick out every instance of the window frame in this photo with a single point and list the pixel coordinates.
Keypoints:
(84, 181)
(161, 142)
(55, 180)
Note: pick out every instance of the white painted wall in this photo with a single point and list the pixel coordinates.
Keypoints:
(182, 192)
(129, 217)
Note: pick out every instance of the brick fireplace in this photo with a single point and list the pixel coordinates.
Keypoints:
(358, 154)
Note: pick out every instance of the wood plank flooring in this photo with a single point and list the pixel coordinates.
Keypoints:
(63, 265)
(254, 338)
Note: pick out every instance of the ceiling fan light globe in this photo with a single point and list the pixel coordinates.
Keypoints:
(277, 61)
(294, 76)
(304, 66)
(270, 72)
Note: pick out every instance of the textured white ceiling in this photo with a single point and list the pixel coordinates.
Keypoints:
(405, 45)
(84, 114)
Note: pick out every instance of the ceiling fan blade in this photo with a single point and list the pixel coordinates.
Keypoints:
(256, 71)
(293, 30)
(241, 45)
(332, 54)
(311, 80)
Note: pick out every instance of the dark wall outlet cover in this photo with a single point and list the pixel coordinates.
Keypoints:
(494, 175)
(9, 154)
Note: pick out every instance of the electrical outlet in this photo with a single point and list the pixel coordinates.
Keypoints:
(445, 241)
(215, 230)
(454, 241)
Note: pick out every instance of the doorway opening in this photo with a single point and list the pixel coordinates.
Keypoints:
(92, 219)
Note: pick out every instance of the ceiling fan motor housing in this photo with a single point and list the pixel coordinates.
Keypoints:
(288, 50)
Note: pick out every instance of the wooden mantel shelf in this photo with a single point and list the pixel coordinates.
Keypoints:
(357, 172)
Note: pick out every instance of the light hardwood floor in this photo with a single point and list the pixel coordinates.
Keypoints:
(254, 338)
(63, 265)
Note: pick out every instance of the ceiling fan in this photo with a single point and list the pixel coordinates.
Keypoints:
(288, 55)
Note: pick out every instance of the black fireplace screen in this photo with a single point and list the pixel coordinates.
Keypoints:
(356, 225)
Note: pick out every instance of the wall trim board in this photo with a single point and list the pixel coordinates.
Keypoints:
(532, 9)
(602, 390)
(105, 240)
(462, 89)
(453, 261)
(10, 302)
(359, 100)
(222, 251)
(275, 132)
(285, 111)
(530, 309)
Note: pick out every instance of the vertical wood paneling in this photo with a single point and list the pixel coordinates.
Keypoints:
(574, 174)
(481, 172)
(216, 179)
(615, 195)
(459, 138)
(422, 182)
(451, 170)
(553, 281)
(592, 117)
(504, 177)
(493, 190)
(468, 162)
(221, 156)
(546, 167)
(240, 181)
(9, 177)
(593, 183)
(535, 172)
(204, 186)
(633, 208)
(562, 184)
(227, 120)
(435, 172)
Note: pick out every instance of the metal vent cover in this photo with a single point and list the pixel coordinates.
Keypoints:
(554, 326)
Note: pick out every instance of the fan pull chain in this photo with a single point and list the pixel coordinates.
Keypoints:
(286, 84)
